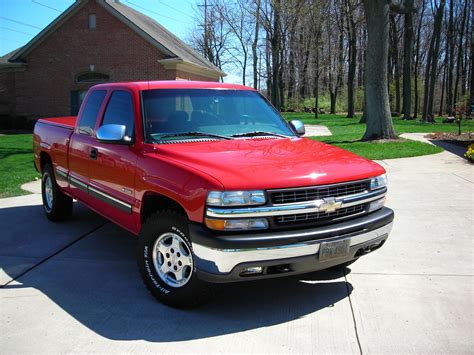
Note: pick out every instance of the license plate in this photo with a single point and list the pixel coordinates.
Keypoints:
(334, 250)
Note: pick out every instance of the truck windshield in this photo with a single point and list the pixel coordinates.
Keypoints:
(177, 114)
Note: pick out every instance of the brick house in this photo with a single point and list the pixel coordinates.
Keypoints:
(92, 41)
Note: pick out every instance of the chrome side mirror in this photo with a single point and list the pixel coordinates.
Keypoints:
(113, 133)
(298, 127)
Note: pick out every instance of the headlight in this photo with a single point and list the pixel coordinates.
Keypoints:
(235, 198)
(237, 224)
(378, 182)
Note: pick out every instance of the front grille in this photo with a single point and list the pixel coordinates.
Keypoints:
(317, 193)
(320, 216)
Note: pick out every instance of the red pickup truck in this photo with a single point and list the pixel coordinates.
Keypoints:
(217, 186)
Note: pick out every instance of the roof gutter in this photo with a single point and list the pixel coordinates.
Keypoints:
(188, 67)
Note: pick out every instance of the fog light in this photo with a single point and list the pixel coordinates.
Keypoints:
(254, 270)
(376, 205)
(237, 224)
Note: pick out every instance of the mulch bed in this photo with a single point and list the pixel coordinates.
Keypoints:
(463, 140)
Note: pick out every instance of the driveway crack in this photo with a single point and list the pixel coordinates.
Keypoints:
(54, 254)
(353, 314)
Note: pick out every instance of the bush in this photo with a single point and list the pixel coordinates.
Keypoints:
(470, 153)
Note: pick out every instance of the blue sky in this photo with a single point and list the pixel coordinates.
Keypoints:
(21, 20)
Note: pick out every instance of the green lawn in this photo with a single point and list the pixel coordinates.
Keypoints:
(347, 133)
(16, 164)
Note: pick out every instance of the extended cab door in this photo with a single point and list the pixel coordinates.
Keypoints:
(82, 145)
(112, 172)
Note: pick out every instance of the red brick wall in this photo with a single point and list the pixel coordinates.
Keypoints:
(7, 93)
(43, 89)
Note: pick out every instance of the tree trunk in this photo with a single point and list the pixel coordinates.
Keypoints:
(291, 73)
(352, 62)
(459, 62)
(432, 63)
(275, 43)
(407, 59)
(316, 85)
(254, 46)
(443, 83)
(363, 118)
(377, 108)
(450, 56)
(304, 74)
(333, 97)
(471, 86)
(417, 58)
(396, 65)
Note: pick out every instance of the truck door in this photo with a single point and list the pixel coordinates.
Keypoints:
(112, 173)
(81, 146)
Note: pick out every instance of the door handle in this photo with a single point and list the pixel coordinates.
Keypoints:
(94, 153)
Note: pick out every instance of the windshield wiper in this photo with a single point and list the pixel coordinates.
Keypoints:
(194, 134)
(259, 133)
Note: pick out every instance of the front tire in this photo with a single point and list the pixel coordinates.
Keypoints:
(166, 261)
(56, 205)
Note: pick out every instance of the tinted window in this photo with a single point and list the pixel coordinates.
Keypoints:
(90, 112)
(120, 111)
(223, 112)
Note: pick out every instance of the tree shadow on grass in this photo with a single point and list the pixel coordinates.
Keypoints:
(6, 152)
(95, 280)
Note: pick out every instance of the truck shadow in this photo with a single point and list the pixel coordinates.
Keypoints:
(95, 280)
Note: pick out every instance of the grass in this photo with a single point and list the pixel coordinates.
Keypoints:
(347, 132)
(16, 164)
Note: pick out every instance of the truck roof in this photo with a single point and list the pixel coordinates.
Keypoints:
(174, 84)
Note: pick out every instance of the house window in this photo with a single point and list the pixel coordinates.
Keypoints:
(92, 77)
(92, 21)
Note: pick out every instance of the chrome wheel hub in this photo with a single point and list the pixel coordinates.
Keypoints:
(48, 192)
(172, 259)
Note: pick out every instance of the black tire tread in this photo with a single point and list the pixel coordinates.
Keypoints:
(201, 291)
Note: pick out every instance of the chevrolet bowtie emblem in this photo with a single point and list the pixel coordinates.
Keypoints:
(329, 205)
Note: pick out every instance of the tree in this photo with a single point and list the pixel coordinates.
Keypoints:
(407, 58)
(352, 34)
(432, 63)
(377, 108)
(254, 45)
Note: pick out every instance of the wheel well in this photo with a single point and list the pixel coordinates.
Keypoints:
(44, 159)
(155, 202)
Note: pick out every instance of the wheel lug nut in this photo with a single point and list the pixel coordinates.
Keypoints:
(172, 250)
(169, 263)
(167, 255)
(178, 255)
(180, 263)
(175, 268)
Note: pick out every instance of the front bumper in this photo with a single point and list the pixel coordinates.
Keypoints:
(222, 258)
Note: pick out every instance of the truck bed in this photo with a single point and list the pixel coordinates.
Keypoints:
(51, 135)
(65, 121)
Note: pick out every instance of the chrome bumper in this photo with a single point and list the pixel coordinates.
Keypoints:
(223, 261)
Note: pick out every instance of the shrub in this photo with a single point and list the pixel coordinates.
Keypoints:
(470, 153)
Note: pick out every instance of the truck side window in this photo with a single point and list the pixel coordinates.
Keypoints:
(120, 111)
(91, 111)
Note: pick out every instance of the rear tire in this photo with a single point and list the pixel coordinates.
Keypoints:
(56, 205)
(166, 261)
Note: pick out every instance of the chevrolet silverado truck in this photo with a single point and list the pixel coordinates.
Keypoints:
(217, 186)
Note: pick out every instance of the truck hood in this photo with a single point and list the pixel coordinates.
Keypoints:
(271, 163)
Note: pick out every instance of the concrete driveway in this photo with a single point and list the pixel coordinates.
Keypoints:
(74, 287)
